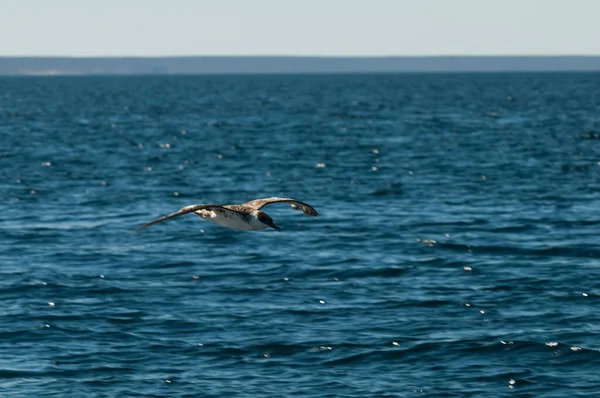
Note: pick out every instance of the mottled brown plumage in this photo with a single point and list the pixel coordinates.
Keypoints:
(247, 216)
(296, 205)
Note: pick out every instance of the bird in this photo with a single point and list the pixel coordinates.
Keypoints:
(247, 216)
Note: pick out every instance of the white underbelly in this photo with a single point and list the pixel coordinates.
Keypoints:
(232, 221)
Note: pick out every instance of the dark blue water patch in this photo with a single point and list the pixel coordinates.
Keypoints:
(455, 251)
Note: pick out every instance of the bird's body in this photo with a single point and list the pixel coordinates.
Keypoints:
(243, 220)
(246, 217)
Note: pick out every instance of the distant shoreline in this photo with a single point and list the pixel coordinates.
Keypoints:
(210, 65)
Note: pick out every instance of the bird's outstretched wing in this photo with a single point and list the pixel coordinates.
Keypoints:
(296, 205)
(185, 210)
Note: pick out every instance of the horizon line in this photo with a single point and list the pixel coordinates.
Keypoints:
(315, 56)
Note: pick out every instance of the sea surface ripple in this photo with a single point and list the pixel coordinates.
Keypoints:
(455, 252)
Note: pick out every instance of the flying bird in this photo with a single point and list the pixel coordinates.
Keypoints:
(246, 217)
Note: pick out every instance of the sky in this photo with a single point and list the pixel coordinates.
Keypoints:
(300, 27)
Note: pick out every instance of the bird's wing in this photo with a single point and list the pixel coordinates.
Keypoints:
(185, 210)
(296, 205)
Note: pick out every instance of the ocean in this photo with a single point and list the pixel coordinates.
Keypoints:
(455, 253)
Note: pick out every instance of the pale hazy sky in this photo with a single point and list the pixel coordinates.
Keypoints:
(301, 27)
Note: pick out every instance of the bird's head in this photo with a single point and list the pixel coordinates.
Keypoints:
(267, 220)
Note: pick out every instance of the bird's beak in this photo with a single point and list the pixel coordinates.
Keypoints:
(275, 227)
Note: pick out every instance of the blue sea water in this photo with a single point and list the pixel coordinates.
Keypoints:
(455, 252)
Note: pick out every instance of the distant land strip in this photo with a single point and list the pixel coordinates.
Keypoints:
(197, 65)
